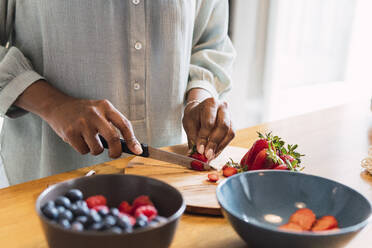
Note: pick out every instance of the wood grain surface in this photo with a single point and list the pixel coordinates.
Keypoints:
(199, 194)
(335, 141)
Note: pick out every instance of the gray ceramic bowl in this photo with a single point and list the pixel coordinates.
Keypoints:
(256, 203)
(116, 188)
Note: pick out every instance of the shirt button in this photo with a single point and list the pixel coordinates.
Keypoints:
(135, 2)
(138, 45)
(136, 86)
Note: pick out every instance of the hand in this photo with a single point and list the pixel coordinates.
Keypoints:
(78, 122)
(208, 126)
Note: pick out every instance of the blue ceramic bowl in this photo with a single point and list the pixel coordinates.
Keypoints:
(256, 203)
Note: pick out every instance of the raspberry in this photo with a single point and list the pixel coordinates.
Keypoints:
(149, 211)
(96, 200)
(142, 200)
(125, 207)
(99, 207)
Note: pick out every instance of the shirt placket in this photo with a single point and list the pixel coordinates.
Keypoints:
(138, 57)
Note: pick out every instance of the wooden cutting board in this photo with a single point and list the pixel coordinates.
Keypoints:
(198, 192)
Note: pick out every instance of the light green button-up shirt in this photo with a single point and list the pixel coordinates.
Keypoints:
(142, 55)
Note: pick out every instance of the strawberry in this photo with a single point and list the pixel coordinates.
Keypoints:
(96, 200)
(291, 227)
(125, 207)
(229, 171)
(285, 157)
(281, 167)
(142, 200)
(325, 223)
(213, 177)
(250, 156)
(99, 207)
(303, 217)
(195, 165)
(148, 210)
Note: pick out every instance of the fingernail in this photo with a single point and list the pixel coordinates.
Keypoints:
(209, 154)
(137, 149)
(201, 149)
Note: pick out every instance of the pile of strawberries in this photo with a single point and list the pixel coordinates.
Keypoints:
(141, 205)
(268, 152)
(305, 220)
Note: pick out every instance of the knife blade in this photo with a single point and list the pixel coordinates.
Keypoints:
(158, 154)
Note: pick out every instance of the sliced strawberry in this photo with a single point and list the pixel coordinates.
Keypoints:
(149, 210)
(303, 217)
(125, 207)
(291, 227)
(195, 165)
(199, 156)
(213, 177)
(229, 171)
(142, 200)
(96, 200)
(281, 167)
(250, 156)
(325, 223)
(99, 207)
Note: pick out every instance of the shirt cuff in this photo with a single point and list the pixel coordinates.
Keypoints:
(10, 93)
(203, 85)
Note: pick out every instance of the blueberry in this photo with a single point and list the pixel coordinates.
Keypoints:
(96, 226)
(141, 221)
(50, 212)
(114, 212)
(79, 210)
(93, 217)
(77, 226)
(67, 214)
(81, 204)
(109, 221)
(103, 212)
(60, 209)
(115, 229)
(83, 220)
(159, 219)
(64, 223)
(74, 195)
(63, 201)
(48, 203)
(124, 223)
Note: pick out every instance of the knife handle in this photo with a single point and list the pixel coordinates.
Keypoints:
(125, 148)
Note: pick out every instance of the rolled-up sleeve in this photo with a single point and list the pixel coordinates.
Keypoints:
(212, 53)
(16, 72)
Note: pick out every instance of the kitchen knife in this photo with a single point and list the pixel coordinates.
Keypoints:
(158, 154)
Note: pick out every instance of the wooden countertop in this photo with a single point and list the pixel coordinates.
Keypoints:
(335, 141)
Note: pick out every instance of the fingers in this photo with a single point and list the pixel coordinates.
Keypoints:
(78, 143)
(112, 138)
(207, 115)
(126, 129)
(93, 142)
(219, 133)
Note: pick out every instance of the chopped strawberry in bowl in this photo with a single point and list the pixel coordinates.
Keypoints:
(280, 208)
